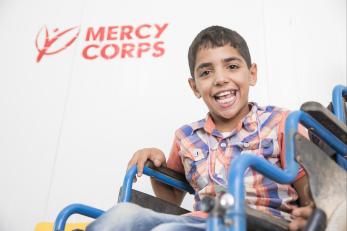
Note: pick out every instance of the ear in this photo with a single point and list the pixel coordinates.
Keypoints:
(192, 85)
(253, 72)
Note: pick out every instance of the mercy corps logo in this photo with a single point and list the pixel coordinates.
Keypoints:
(110, 42)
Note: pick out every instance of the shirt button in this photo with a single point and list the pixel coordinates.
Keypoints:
(223, 145)
(196, 152)
(245, 144)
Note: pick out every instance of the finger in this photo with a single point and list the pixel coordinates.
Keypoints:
(296, 212)
(303, 211)
(157, 157)
(297, 224)
(307, 211)
(141, 163)
(157, 162)
(133, 160)
(293, 226)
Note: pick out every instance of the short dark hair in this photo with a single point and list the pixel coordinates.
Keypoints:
(217, 36)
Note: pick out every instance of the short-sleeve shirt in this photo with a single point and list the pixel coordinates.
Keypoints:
(204, 155)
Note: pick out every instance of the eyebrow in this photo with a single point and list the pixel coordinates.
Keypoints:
(203, 65)
(232, 59)
(226, 60)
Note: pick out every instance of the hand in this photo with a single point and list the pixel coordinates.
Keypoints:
(300, 217)
(141, 156)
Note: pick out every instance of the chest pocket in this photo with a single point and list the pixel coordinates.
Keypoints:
(267, 148)
(195, 162)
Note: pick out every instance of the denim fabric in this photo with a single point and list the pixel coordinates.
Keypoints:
(128, 217)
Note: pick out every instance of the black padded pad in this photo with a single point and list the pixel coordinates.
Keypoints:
(168, 172)
(259, 221)
(326, 119)
(155, 203)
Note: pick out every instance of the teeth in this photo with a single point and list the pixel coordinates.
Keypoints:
(225, 100)
(225, 97)
(224, 93)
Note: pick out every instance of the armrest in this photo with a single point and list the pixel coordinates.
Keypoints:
(167, 172)
(165, 175)
(326, 119)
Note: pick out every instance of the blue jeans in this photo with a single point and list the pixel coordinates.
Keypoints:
(128, 217)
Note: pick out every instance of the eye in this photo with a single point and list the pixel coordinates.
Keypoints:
(233, 66)
(204, 73)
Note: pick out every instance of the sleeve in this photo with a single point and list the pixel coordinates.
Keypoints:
(302, 130)
(174, 161)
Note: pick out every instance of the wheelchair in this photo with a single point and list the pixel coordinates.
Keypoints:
(324, 158)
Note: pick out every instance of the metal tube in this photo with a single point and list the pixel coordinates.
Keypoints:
(60, 222)
(285, 176)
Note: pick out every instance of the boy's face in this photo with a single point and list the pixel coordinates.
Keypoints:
(222, 79)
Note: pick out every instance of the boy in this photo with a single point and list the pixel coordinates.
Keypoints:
(222, 72)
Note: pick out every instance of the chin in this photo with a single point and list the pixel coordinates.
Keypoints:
(227, 116)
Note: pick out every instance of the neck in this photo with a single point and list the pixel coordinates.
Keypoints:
(227, 125)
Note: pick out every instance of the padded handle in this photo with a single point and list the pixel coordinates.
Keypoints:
(317, 221)
(327, 119)
(167, 171)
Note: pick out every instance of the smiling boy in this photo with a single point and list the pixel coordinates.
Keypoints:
(223, 80)
(222, 74)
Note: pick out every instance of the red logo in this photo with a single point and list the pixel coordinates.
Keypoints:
(105, 42)
(59, 41)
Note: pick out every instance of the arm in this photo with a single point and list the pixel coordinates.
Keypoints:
(302, 188)
(300, 215)
(161, 190)
(167, 192)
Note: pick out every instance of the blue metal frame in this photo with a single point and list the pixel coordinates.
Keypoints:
(338, 102)
(128, 182)
(85, 210)
(286, 176)
(236, 185)
(338, 107)
(88, 211)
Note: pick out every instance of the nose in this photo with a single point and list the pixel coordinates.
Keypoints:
(220, 79)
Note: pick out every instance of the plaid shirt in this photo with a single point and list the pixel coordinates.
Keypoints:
(204, 155)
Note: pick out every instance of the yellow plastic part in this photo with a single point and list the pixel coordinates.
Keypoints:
(48, 226)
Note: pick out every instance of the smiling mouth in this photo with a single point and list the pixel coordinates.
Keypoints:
(225, 98)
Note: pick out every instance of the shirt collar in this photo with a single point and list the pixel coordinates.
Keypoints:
(249, 122)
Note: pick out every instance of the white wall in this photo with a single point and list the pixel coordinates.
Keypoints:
(69, 125)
